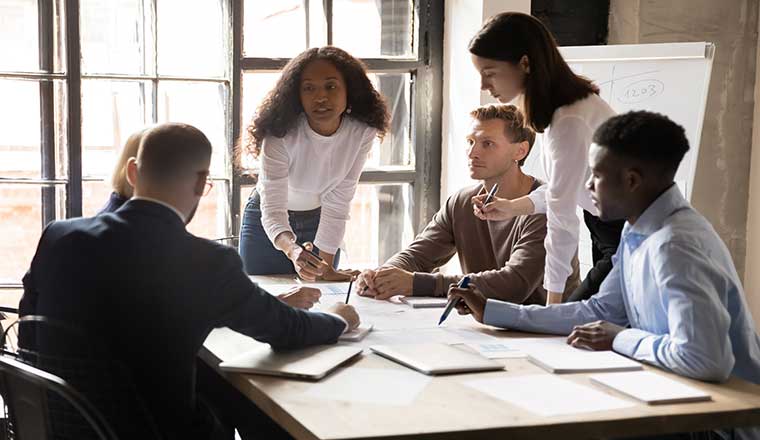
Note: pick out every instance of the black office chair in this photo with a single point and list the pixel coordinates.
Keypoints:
(27, 392)
(77, 358)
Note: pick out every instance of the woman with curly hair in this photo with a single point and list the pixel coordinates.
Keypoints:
(312, 134)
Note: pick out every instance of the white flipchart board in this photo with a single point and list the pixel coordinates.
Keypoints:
(668, 78)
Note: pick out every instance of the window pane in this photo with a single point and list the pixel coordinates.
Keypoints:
(192, 38)
(396, 148)
(371, 28)
(380, 225)
(245, 194)
(19, 39)
(255, 88)
(111, 111)
(201, 104)
(117, 36)
(20, 228)
(95, 194)
(211, 218)
(20, 136)
(274, 28)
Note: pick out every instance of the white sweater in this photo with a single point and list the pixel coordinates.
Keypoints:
(564, 156)
(304, 170)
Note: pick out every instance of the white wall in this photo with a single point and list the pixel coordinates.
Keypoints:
(752, 262)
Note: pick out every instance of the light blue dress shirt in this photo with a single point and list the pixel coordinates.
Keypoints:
(674, 283)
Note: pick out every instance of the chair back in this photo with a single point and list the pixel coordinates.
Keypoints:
(81, 360)
(26, 391)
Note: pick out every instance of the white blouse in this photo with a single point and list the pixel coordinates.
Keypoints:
(304, 170)
(564, 157)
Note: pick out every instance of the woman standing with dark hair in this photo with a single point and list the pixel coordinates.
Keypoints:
(516, 55)
(313, 133)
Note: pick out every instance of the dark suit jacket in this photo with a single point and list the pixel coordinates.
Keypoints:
(139, 281)
(115, 201)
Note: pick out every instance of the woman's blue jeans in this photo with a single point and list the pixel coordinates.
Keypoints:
(259, 255)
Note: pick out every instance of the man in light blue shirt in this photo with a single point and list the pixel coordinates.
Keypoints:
(673, 298)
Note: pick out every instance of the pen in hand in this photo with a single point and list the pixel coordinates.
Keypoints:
(491, 194)
(310, 253)
(463, 283)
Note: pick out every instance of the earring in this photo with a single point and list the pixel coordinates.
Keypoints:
(348, 110)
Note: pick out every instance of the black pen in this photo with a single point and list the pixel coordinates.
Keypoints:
(350, 284)
(463, 283)
(312, 254)
(491, 194)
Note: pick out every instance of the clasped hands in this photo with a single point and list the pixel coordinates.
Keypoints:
(385, 282)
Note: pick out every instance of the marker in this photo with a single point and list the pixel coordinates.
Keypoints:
(463, 283)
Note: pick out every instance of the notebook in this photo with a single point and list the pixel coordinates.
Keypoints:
(424, 302)
(650, 387)
(561, 360)
(437, 358)
(356, 334)
(312, 363)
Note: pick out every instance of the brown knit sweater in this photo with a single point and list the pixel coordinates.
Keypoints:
(504, 259)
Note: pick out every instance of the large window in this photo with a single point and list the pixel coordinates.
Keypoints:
(77, 77)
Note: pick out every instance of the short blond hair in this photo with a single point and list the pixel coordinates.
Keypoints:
(119, 181)
(514, 123)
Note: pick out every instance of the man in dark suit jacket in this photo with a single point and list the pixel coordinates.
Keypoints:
(140, 281)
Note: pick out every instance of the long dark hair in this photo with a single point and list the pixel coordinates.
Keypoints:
(551, 83)
(280, 109)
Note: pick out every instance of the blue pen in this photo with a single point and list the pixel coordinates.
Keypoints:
(463, 283)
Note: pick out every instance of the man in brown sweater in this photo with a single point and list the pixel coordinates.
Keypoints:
(504, 259)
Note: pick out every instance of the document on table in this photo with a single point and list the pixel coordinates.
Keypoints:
(547, 395)
(325, 288)
(356, 334)
(567, 359)
(417, 302)
(503, 348)
(650, 387)
(430, 335)
(226, 344)
(397, 387)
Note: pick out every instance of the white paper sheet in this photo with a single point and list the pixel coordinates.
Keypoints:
(650, 387)
(548, 395)
(325, 288)
(372, 386)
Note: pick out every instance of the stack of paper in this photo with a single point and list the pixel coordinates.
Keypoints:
(650, 387)
(417, 302)
(557, 359)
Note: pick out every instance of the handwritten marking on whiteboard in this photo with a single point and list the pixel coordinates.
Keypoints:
(641, 90)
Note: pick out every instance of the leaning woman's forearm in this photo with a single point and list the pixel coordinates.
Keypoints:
(285, 241)
(523, 206)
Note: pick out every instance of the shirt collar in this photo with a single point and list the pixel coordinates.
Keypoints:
(176, 211)
(652, 219)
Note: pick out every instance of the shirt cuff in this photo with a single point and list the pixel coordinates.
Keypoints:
(277, 230)
(627, 341)
(424, 284)
(554, 287)
(538, 197)
(330, 249)
(501, 314)
(345, 323)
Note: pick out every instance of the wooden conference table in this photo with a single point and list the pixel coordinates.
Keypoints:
(445, 407)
